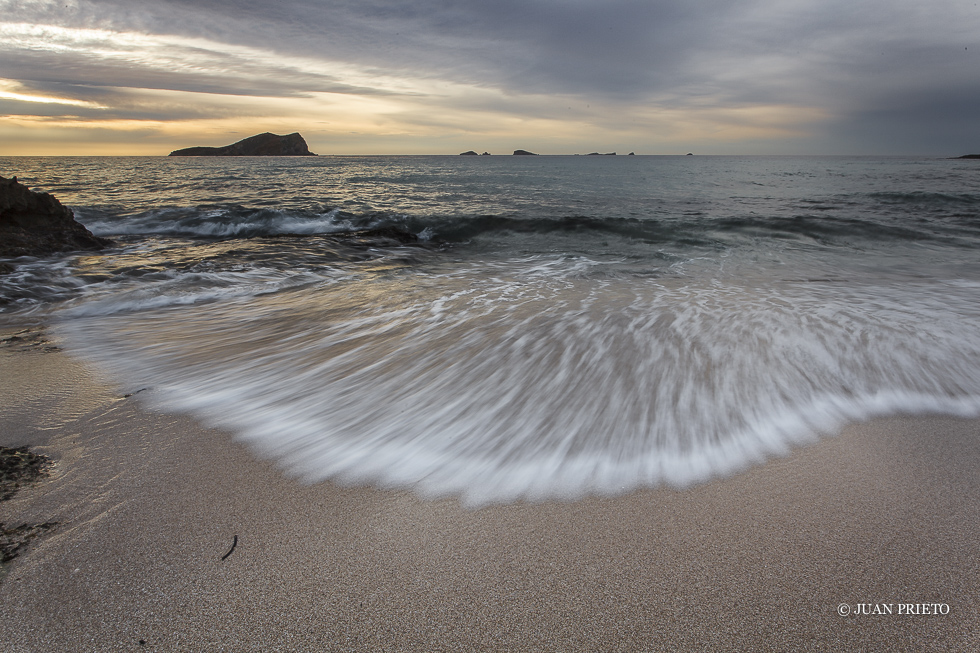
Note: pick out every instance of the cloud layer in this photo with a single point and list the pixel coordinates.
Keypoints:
(441, 75)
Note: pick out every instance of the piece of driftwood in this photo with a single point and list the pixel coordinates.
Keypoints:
(234, 543)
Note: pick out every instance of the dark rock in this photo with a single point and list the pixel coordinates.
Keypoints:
(969, 156)
(523, 153)
(631, 154)
(485, 154)
(468, 153)
(689, 154)
(35, 224)
(598, 154)
(262, 145)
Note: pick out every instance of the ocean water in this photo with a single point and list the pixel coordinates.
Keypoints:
(519, 328)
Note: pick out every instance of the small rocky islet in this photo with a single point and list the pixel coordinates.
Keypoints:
(266, 144)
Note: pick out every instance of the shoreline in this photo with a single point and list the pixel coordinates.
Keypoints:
(148, 503)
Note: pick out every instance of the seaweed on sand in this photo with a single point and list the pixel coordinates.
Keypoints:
(18, 467)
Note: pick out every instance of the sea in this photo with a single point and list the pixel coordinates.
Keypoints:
(518, 328)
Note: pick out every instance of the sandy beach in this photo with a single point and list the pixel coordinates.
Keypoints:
(881, 518)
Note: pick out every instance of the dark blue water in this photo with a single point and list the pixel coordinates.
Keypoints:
(520, 327)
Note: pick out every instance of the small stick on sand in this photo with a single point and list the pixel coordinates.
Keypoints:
(234, 543)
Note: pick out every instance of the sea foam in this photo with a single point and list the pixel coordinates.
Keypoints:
(535, 381)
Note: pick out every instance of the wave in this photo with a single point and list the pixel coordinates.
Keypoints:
(928, 198)
(221, 222)
(500, 387)
(687, 230)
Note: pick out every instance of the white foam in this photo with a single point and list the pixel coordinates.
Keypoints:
(177, 288)
(219, 223)
(538, 384)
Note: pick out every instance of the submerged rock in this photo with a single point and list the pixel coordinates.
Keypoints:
(35, 224)
(261, 145)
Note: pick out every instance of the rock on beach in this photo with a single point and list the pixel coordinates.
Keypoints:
(36, 224)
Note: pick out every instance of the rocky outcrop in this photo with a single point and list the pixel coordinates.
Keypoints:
(469, 153)
(524, 153)
(262, 145)
(969, 156)
(35, 224)
(601, 154)
(485, 154)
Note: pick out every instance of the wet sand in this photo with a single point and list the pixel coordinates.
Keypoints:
(886, 513)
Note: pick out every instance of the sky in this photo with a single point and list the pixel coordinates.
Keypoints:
(134, 77)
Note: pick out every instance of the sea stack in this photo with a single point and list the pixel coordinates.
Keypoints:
(261, 145)
(36, 224)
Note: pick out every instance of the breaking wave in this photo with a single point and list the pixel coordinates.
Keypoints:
(499, 387)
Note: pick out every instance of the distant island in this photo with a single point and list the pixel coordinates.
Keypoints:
(261, 145)
(523, 152)
(969, 156)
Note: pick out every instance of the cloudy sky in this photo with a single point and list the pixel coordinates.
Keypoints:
(444, 76)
